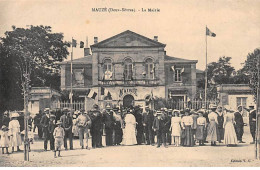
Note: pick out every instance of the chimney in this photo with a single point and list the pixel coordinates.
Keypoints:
(155, 38)
(86, 52)
(95, 40)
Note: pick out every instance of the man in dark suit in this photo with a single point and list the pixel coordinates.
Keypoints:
(45, 124)
(109, 125)
(239, 124)
(252, 121)
(158, 126)
(148, 119)
(36, 121)
(66, 123)
(139, 125)
(97, 127)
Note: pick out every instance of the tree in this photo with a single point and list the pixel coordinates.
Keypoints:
(250, 68)
(35, 49)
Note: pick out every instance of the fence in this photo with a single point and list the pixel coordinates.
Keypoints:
(76, 105)
(194, 104)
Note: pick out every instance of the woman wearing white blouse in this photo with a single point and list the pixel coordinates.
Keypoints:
(187, 121)
(212, 127)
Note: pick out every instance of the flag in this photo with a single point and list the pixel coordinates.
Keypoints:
(173, 68)
(188, 99)
(70, 95)
(144, 74)
(81, 44)
(200, 96)
(74, 43)
(182, 70)
(91, 94)
(209, 33)
(108, 75)
(105, 92)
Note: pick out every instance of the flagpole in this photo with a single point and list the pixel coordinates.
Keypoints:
(206, 71)
(71, 72)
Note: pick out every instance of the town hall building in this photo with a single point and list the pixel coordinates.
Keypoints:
(132, 68)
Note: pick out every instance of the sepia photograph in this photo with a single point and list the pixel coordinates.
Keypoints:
(129, 83)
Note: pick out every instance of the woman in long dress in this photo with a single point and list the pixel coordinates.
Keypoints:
(176, 128)
(212, 132)
(129, 136)
(201, 128)
(187, 121)
(14, 131)
(230, 137)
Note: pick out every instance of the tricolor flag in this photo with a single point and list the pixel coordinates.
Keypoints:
(173, 68)
(70, 95)
(81, 44)
(200, 96)
(209, 33)
(74, 43)
(105, 92)
(91, 94)
(182, 70)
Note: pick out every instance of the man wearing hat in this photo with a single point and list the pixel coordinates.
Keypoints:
(96, 128)
(239, 124)
(84, 123)
(6, 119)
(45, 120)
(252, 121)
(51, 128)
(158, 126)
(37, 124)
(109, 125)
(148, 119)
(66, 123)
(118, 125)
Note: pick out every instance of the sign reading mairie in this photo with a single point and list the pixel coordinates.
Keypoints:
(122, 92)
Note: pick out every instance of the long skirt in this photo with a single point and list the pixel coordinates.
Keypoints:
(188, 140)
(129, 135)
(200, 132)
(230, 137)
(16, 139)
(212, 134)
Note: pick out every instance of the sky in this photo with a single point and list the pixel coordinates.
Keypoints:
(179, 24)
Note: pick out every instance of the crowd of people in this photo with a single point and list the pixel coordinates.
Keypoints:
(131, 126)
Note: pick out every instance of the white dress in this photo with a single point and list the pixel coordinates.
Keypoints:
(14, 132)
(129, 137)
(230, 137)
(4, 141)
(176, 126)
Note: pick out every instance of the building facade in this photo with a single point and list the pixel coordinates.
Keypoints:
(132, 68)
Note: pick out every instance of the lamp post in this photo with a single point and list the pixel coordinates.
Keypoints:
(26, 100)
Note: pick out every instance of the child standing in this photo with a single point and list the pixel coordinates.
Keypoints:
(4, 142)
(176, 128)
(58, 134)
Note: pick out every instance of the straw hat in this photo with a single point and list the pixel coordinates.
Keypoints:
(14, 114)
(58, 122)
(212, 106)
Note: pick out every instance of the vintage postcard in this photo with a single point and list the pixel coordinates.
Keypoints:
(129, 83)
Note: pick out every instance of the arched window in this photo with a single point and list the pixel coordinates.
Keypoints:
(128, 69)
(149, 68)
(107, 69)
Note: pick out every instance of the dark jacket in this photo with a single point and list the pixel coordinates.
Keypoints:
(238, 119)
(158, 124)
(45, 122)
(148, 118)
(96, 119)
(252, 117)
(108, 120)
(66, 122)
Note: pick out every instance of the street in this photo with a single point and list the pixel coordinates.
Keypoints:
(139, 155)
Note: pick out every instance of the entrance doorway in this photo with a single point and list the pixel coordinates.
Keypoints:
(128, 101)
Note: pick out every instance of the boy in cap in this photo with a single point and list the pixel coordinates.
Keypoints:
(58, 134)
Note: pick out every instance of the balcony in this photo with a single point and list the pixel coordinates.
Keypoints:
(134, 82)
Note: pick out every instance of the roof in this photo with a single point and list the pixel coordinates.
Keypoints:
(152, 43)
(199, 71)
(82, 60)
(170, 59)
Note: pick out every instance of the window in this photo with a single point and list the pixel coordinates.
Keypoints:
(107, 69)
(128, 69)
(177, 75)
(78, 76)
(149, 68)
(241, 101)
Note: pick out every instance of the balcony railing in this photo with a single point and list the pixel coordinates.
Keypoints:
(134, 82)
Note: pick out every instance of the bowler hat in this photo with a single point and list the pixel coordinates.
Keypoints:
(58, 122)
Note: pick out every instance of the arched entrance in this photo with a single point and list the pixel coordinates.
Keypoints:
(128, 100)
